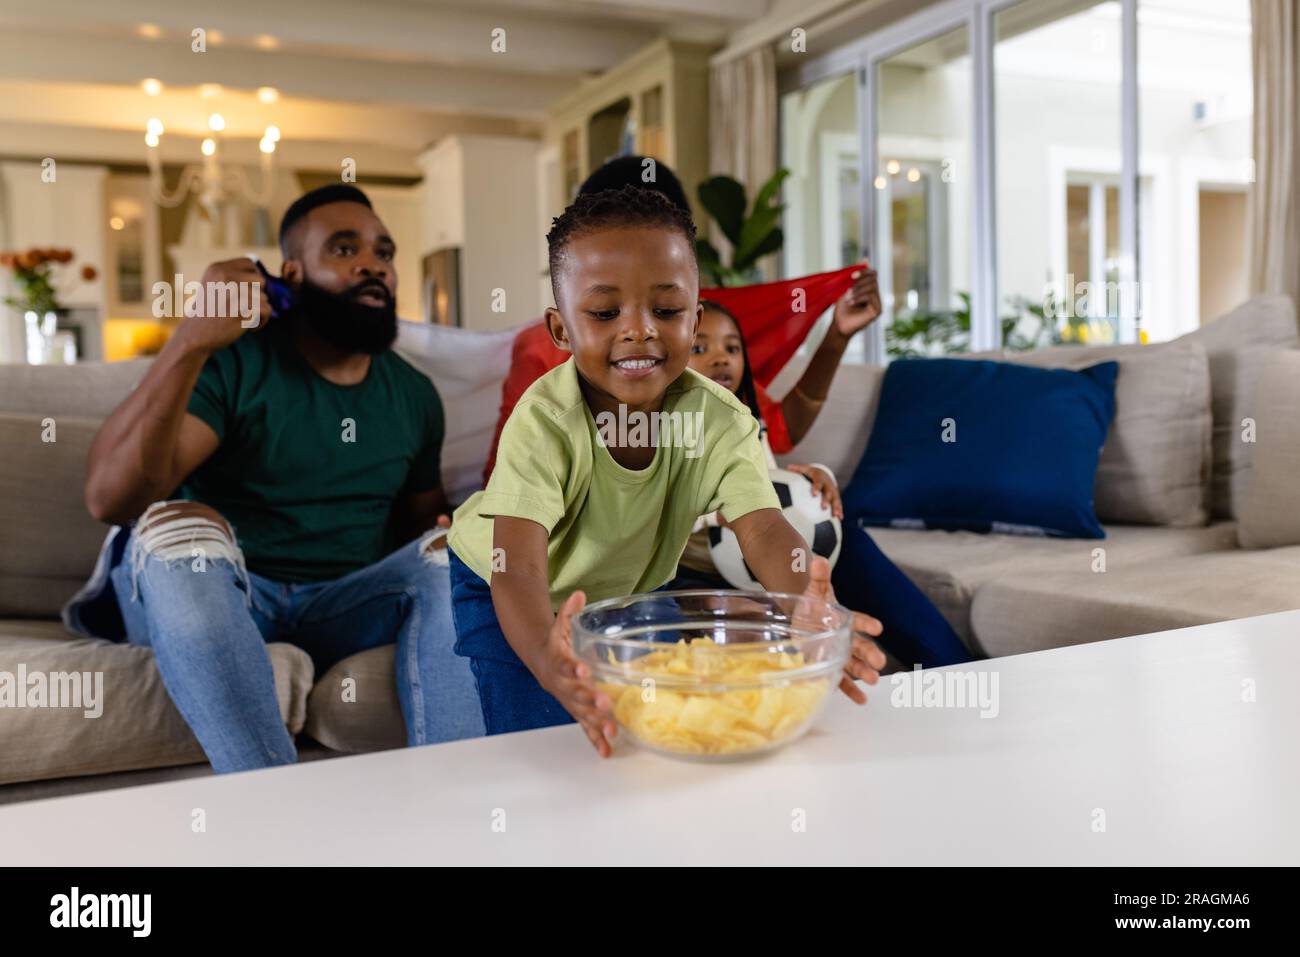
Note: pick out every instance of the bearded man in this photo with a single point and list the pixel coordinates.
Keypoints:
(279, 480)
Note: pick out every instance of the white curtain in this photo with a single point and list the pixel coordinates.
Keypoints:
(1275, 198)
(742, 122)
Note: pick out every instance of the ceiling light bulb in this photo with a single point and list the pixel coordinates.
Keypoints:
(266, 145)
(892, 167)
(273, 134)
(209, 146)
(154, 126)
(151, 139)
(268, 94)
(151, 86)
(216, 122)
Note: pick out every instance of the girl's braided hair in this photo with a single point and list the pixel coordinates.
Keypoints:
(747, 393)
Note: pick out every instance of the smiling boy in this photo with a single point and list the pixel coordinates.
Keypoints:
(568, 516)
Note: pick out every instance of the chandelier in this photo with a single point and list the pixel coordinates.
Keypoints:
(209, 181)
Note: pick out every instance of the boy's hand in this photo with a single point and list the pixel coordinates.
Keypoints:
(865, 659)
(568, 680)
(824, 486)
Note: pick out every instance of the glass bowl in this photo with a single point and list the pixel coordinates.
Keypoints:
(714, 675)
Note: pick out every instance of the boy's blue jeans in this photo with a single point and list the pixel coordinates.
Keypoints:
(509, 695)
(208, 623)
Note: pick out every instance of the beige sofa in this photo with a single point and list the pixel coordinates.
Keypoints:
(1174, 489)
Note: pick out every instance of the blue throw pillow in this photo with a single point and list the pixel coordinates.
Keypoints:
(985, 446)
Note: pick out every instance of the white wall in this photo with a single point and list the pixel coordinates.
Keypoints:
(399, 208)
(480, 193)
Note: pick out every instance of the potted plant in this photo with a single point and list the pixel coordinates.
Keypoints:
(939, 332)
(33, 273)
(753, 232)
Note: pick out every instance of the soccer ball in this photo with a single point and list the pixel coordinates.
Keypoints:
(802, 508)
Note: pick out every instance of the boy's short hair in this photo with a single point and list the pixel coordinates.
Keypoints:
(629, 206)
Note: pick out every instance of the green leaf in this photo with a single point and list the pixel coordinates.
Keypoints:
(756, 234)
(724, 199)
(769, 189)
(770, 243)
(706, 252)
(710, 262)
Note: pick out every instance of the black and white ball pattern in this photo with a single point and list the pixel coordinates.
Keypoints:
(802, 508)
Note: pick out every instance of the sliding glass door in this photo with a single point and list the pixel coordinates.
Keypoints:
(922, 189)
(821, 146)
(1057, 69)
(1027, 173)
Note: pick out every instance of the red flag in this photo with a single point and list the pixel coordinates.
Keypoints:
(775, 317)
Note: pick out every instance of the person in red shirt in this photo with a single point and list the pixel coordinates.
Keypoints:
(854, 291)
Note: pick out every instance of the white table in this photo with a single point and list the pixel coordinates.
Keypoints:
(1152, 730)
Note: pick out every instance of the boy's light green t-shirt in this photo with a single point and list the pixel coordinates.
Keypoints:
(615, 531)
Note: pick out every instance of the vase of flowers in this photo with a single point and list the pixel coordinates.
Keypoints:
(34, 274)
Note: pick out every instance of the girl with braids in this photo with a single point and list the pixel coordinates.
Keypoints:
(864, 579)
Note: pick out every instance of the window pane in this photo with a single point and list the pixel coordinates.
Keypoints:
(1195, 102)
(922, 190)
(1056, 80)
(822, 220)
(823, 195)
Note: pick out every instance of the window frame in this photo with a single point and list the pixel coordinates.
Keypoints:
(864, 56)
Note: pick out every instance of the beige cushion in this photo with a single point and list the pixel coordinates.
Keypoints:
(49, 541)
(88, 389)
(1155, 465)
(372, 720)
(839, 436)
(468, 368)
(1238, 344)
(1270, 508)
(139, 726)
(950, 566)
(1014, 615)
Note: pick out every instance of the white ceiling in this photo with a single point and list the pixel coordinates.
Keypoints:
(383, 78)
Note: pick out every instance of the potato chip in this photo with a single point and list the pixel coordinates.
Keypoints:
(686, 721)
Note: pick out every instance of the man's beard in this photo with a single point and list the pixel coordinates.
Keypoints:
(345, 323)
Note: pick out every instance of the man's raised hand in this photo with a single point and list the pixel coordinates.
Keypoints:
(212, 318)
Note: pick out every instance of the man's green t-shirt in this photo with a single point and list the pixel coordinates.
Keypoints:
(612, 530)
(307, 471)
